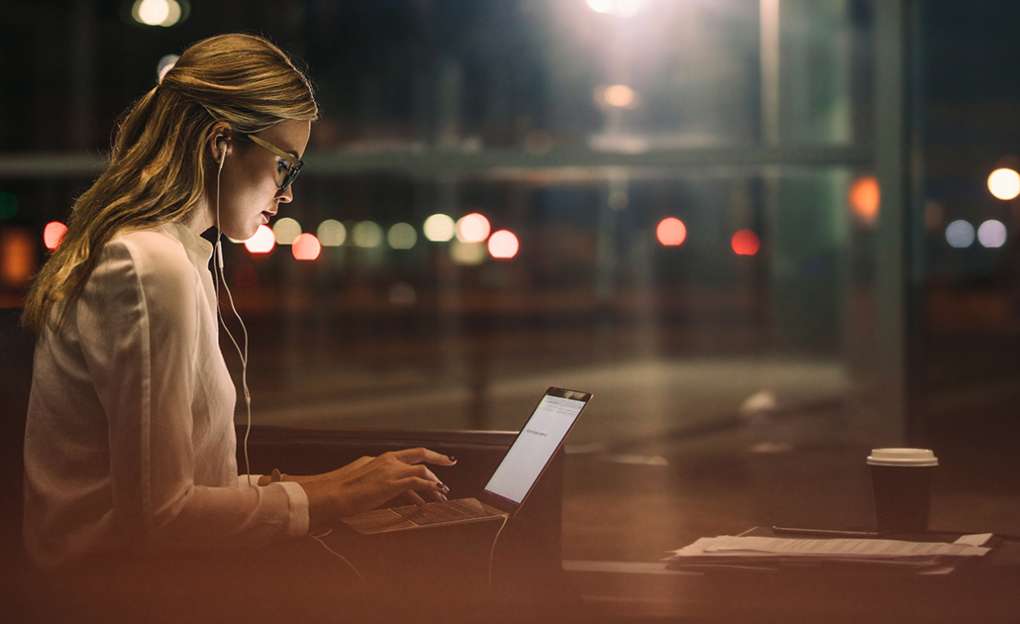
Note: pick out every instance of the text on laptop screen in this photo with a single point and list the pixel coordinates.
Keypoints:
(533, 447)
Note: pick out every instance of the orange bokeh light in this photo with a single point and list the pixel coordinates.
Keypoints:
(865, 198)
(503, 245)
(262, 242)
(619, 96)
(745, 243)
(306, 247)
(17, 256)
(53, 234)
(671, 232)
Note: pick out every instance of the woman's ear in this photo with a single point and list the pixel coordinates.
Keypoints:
(220, 143)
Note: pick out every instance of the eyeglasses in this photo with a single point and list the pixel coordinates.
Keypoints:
(289, 167)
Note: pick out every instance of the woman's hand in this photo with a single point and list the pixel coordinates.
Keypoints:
(369, 482)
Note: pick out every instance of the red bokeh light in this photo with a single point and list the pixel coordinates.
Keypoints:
(671, 232)
(53, 234)
(503, 245)
(745, 243)
(306, 247)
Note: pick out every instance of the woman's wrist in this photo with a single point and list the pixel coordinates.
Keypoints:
(322, 512)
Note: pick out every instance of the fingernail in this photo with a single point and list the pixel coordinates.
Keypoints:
(451, 458)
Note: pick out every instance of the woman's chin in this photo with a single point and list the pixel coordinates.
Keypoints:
(242, 234)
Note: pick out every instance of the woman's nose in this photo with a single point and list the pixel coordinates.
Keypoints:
(287, 195)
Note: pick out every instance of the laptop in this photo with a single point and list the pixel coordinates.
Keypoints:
(515, 477)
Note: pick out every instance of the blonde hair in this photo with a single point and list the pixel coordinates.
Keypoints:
(158, 160)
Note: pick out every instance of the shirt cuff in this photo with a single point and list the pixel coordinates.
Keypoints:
(297, 526)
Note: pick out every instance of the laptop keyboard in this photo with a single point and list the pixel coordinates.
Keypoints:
(434, 513)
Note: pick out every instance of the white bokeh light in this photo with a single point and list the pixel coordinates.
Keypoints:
(286, 230)
(473, 228)
(439, 228)
(165, 13)
(262, 242)
(1004, 183)
(331, 233)
(617, 8)
(402, 236)
(467, 253)
(992, 234)
(960, 234)
(367, 234)
(151, 12)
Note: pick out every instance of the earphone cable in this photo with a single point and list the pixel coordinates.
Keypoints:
(220, 275)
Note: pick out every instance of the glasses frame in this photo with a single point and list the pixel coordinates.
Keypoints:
(294, 165)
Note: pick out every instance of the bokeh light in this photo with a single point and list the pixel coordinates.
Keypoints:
(745, 243)
(865, 199)
(992, 234)
(503, 245)
(306, 247)
(331, 233)
(617, 8)
(17, 256)
(473, 228)
(671, 232)
(53, 234)
(262, 242)
(286, 230)
(1004, 183)
(165, 13)
(367, 234)
(960, 234)
(439, 228)
(616, 96)
(402, 236)
(467, 253)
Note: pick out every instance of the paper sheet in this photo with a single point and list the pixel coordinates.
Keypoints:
(976, 539)
(727, 545)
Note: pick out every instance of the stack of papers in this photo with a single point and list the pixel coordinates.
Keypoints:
(747, 551)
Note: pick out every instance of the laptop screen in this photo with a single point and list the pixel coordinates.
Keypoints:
(538, 440)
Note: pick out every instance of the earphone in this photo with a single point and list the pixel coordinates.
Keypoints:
(219, 275)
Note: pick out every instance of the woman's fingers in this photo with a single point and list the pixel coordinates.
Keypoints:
(418, 484)
(420, 455)
(411, 497)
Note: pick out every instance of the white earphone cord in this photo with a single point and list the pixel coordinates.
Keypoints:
(220, 275)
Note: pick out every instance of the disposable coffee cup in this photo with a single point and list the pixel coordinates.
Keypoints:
(901, 479)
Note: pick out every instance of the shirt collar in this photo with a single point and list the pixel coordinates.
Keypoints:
(199, 249)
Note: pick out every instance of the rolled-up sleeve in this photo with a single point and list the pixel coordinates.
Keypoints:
(139, 327)
(296, 495)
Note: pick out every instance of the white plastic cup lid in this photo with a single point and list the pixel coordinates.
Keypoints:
(902, 457)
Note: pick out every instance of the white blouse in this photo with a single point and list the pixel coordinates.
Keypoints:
(129, 440)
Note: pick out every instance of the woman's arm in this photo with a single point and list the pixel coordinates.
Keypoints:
(139, 322)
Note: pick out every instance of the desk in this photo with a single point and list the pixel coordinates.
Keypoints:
(636, 591)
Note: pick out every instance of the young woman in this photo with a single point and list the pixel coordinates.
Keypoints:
(129, 442)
